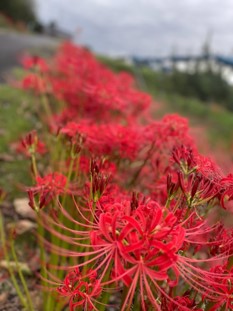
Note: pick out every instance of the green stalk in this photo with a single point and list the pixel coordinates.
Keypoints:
(137, 304)
(124, 294)
(105, 297)
(45, 104)
(88, 257)
(63, 243)
(21, 277)
(40, 242)
(44, 99)
(34, 166)
(42, 254)
(13, 279)
(209, 305)
(51, 303)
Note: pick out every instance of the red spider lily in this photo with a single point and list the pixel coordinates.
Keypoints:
(196, 188)
(46, 189)
(54, 183)
(31, 144)
(130, 239)
(182, 302)
(223, 285)
(183, 156)
(100, 92)
(208, 169)
(196, 270)
(226, 189)
(149, 248)
(108, 139)
(168, 132)
(99, 181)
(34, 62)
(107, 167)
(81, 291)
(35, 83)
(189, 160)
(144, 244)
(140, 248)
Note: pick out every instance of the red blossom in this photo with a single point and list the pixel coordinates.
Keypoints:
(47, 188)
(31, 144)
(34, 62)
(35, 83)
(82, 291)
(53, 183)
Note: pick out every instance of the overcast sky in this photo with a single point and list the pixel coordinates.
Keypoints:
(144, 27)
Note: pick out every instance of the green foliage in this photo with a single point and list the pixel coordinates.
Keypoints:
(208, 87)
(116, 65)
(16, 118)
(15, 115)
(18, 10)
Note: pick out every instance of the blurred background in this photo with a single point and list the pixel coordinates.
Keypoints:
(181, 51)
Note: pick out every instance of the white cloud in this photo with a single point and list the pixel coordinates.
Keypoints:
(144, 27)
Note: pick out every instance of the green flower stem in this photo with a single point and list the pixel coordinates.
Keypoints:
(44, 99)
(42, 257)
(62, 243)
(21, 276)
(46, 106)
(88, 257)
(167, 205)
(45, 102)
(105, 297)
(16, 286)
(124, 294)
(54, 260)
(209, 305)
(137, 304)
(34, 166)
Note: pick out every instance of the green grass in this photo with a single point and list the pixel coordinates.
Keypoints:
(15, 114)
(16, 119)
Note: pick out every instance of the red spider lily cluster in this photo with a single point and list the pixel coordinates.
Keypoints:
(132, 211)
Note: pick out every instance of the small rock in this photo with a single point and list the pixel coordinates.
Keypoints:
(14, 266)
(23, 209)
(3, 297)
(22, 226)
